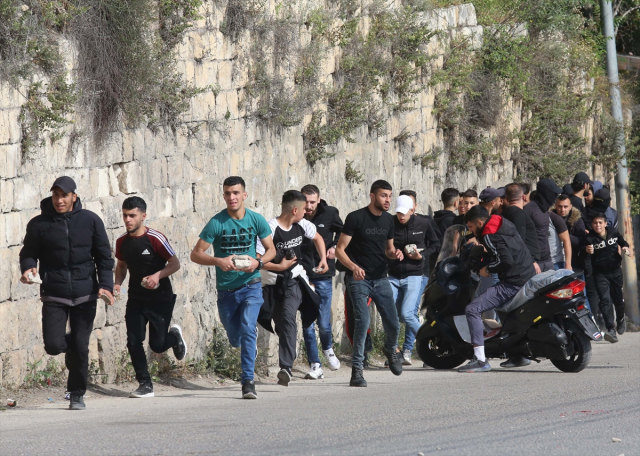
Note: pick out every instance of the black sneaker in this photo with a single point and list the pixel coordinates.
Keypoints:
(610, 336)
(284, 376)
(249, 390)
(621, 326)
(144, 390)
(475, 365)
(356, 378)
(77, 402)
(395, 361)
(516, 361)
(179, 350)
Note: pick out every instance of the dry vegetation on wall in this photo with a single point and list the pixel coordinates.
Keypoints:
(544, 54)
(126, 66)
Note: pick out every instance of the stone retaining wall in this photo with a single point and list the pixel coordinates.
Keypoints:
(180, 177)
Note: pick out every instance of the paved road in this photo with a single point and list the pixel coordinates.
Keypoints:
(536, 410)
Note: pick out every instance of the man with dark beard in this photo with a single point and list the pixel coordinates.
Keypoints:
(510, 259)
(546, 193)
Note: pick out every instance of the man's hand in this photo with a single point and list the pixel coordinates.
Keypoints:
(331, 253)
(226, 264)
(398, 254)
(107, 293)
(24, 279)
(568, 266)
(415, 256)
(250, 269)
(151, 281)
(358, 273)
(626, 251)
(590, 249)
(537, 268)
(484, 272)
(322, 267)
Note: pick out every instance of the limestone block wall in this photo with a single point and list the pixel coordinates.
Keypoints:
(181, 177)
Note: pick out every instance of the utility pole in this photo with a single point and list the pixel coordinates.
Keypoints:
(622, 178)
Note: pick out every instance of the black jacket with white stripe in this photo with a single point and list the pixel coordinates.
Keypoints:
(510, 258)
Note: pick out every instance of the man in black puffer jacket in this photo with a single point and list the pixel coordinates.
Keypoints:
(72, 246)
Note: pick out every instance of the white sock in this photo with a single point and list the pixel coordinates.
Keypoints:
(479, 353)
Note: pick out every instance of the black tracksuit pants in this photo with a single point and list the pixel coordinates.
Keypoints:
(609, 286)
(74, 345)
(284, 316)
(158, 314)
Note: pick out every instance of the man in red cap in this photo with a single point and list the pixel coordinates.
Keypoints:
(76, 269)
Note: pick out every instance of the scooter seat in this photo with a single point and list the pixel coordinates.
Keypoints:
(528, 291)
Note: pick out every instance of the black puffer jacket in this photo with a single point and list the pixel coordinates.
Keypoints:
(329, 225)
(510, 258)
(416, 231)
(71, 247)
(605, 255)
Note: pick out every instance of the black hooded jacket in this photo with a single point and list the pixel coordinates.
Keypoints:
(510, 258)
(329, 225)
(416, 231)
(444, 219)
(605, 256)
(547, 192)
(71, 248)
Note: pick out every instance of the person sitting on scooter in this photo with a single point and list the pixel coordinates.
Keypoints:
(510, 259)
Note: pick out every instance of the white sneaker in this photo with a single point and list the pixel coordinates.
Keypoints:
(315, 372)
(332, 359)
(406, 358)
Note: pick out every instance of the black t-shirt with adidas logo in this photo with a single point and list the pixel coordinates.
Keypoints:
(145, 255)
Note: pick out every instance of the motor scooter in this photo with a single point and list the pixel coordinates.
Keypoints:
(547, 319)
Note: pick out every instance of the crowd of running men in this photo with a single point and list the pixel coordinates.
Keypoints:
(268, 271)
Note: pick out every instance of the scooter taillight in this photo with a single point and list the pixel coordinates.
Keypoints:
(568, 291)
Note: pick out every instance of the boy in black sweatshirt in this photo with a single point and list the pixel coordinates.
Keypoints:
(603, 246)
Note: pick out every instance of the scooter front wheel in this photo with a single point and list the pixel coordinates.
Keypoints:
(580, 357)
(433, 352)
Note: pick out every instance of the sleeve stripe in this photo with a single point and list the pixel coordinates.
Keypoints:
(163, 240)
(494, 250)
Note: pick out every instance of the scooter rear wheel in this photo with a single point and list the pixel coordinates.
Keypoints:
(581, 355)
(433, 355)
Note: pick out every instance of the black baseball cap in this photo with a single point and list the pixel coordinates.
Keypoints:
(489, 194)
(65, 183)
(581, 178)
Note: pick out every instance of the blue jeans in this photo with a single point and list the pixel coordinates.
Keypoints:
(382, 295)
(325, 291)
(405, 294)
(239, 311)
(558, 265)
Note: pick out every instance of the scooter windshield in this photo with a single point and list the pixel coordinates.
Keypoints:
(454, 239)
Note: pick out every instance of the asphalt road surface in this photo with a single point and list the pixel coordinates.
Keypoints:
(534, 410)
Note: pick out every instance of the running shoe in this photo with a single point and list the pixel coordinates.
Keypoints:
(395, 361)
(475, 365)
(610, 336)
(77, 402)
(315, 372)
(332, 359)
(249, 390)
(621, 326)
(144, 390)
(406, 358)
(180, 349)
(284, 376)
(517, 361)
